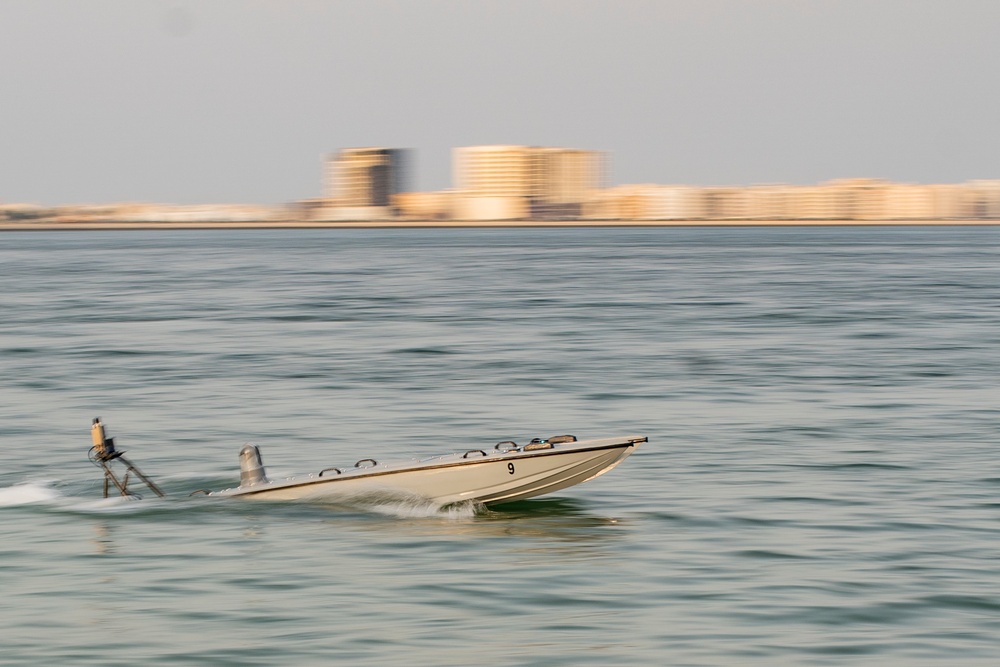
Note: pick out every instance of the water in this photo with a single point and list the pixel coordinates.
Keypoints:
(820, 486)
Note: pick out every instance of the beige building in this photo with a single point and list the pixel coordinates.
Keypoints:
(181, 213)
(725, 203)
(612, 203)
(671, 202)
(646, 202)
(360, 182)
(849, 199)
(563, 179)
(769, 202)
(515, 182)
(982, 200)
(423, 205)
(947, 201)
(511, 182)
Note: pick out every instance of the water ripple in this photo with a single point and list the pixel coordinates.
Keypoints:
(819, 485)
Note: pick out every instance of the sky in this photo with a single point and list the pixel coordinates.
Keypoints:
(203, 101)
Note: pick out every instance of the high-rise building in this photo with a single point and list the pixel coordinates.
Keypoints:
(510, 182)
(360, 182)
(564, 179)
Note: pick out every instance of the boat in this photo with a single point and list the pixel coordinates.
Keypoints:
(504, 473)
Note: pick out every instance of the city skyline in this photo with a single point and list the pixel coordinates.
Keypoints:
(187, 102)
(546, 184)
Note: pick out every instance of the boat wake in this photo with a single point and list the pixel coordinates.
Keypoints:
(45, 495)
(28, 493)
(384, 502)
(400, 507)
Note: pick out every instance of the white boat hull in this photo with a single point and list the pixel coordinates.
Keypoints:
(477, 476)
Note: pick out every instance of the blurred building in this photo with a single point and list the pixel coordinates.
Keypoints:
(423, 206)
(563, 179)
(947, 201)
(768, 202)
(361, 182)
(982, 200)
(647, 202)
(192, 213)
(856, 200)
(517, 182)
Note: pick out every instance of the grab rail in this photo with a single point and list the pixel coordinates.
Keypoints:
(339, 471)
(537, 444)
(358, 464)
(474, 451)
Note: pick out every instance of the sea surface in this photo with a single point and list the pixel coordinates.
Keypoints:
(821, 484)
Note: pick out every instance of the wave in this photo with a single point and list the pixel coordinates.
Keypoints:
(28, 493)
(391, 503)
(419, 508)
(44, 494)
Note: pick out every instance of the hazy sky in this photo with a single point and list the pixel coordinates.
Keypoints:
(239, 100)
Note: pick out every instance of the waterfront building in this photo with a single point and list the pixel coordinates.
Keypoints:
(563, 179)
(725, 203)
(861, 200)
(607, 204)
(184, 213)
(671, 202)
(982, 199)
(905, 201)
(516, 182)
(491, 182)
(681, 202)
(360, 182)
(623, 202)
(769, 202)
(947, 201)
(858, 199)
(817, 202)
(420, 206)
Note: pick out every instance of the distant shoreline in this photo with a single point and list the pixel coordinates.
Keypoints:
(480, 224)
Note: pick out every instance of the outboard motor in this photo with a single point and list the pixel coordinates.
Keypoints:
(104, 455)
(251, 467)
(104, 447)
